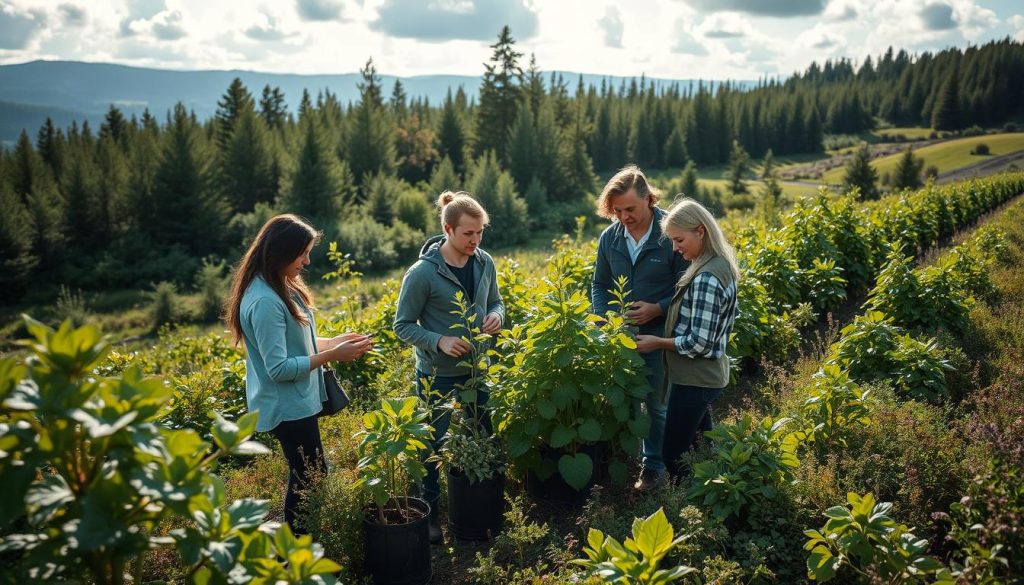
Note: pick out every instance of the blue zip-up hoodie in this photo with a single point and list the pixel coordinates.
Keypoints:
(424, 309)
(652, 279)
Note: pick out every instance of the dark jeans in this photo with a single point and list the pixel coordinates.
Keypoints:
(689, 411)
(440, 418)
(300, 441)
(651, 446)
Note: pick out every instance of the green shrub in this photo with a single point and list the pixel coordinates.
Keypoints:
(334, 511)
(71, 305)
(834, 406)
(212, 286)
(164, 304)
(369, 243)
(89, 475)
(750, 464)
(980, 149)
(413, 209)
(908, 455)
(864, 543)
(563, 381)
(636, 560)
(406, 241)
(873, 348)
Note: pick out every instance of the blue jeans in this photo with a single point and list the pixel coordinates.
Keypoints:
(689, 411)
(651, 447)
(443, 387)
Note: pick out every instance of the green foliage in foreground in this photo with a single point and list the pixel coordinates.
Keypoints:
(865, 541)
(88, 474)
(636, 561)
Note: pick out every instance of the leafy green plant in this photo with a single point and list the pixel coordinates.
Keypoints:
(864, 539)
(829, 414)
(920, 368)
(898, 292)
(165, 307)
(212, 286)
(389, 453)
(873, 348)
(827, 287)
(89, 475)
(751, 462)
(567, 378)
(470, 447)
(635, 562)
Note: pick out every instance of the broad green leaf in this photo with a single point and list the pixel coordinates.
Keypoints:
(576, 469)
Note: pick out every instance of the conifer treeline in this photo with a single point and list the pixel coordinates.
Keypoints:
(143, 200)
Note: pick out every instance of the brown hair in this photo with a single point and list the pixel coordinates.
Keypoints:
(279, 242)
(628, 177)
(456, 204)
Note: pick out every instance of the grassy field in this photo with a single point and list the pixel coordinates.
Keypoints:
(910, 133)
(947, 156)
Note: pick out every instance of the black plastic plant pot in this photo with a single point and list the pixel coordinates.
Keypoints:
(555, 489)
(475, 510)
(398, 553)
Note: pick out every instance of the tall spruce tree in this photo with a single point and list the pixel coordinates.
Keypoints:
(948, 112)
(522, 146)
(908, 171)
(496, 191)
(690, 181)
(451, 134)
(320, 184)
(235, 100)
(188, 210)
(273, 109)
(371, 140)
(500, 93)
(247, 174)
(739, 167)
(17, 257)
(860, 173)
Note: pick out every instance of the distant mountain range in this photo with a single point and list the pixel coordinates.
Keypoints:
(71, 90)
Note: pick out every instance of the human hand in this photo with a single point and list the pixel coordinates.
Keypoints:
(641, 312)
(647, 343)
(352, 348)
(454, 346)
(345, 337)
(491, 324)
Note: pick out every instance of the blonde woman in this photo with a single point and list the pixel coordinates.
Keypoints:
(699, 320)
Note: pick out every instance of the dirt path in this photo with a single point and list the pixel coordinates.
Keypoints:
(990, 166)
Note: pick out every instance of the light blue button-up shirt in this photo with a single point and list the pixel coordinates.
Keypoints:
(634, 246)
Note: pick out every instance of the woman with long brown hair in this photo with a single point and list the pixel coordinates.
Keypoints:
(270, 309)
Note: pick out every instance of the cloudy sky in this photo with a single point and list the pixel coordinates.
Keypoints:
(711, 39)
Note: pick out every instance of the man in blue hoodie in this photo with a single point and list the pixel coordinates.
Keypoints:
(633, 247)
(447, 265)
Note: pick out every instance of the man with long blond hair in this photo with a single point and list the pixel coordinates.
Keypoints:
(633, 247)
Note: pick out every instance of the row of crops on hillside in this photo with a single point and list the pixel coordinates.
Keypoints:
(111, 458)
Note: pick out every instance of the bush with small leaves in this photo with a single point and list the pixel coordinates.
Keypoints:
(165, 307)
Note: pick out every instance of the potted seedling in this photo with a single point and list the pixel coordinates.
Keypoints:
(472, 456)
(397, 538)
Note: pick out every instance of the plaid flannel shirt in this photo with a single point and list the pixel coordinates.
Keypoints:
(707, 314)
